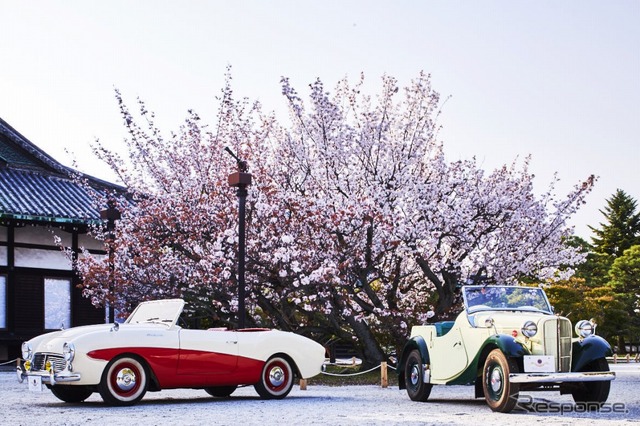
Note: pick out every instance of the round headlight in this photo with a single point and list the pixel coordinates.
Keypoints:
(69, 351)
(584, 328)
(529, 329)
(27, 351)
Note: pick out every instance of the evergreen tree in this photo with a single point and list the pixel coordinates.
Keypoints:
(595, 269)
(625, 282)
(622, 228)
(577, 300)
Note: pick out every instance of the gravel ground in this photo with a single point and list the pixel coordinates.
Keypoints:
(343, 405)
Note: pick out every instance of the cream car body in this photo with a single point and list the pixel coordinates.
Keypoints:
(507, 339)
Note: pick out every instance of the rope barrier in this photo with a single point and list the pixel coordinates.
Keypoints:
(354, 374)
(10, 362)
(384, 379)
(350, 374)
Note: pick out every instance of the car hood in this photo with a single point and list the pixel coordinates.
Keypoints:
(506, 321)
(53, 342)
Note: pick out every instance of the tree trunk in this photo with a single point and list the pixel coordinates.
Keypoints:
(622, 347)
(445, 288)
(372, 354)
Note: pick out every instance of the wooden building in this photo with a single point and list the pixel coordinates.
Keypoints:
(38, 199)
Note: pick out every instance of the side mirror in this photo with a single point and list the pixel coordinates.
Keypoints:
(489, 322)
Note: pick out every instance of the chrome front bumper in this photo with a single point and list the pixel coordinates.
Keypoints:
(597, 376)
(48, 378)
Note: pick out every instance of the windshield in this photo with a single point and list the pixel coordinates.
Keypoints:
(161, 311)
(481, 298)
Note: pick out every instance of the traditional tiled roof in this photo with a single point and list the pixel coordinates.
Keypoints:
(35, 187)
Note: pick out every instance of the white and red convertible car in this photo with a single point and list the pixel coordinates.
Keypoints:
(150, 352)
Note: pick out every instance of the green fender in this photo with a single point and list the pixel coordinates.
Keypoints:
(507, 344)
(418, 343)
(588, 350)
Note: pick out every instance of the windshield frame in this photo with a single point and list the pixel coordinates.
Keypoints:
(165, 312)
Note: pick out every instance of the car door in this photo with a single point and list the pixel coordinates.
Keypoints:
(207, 352)
(447, 355)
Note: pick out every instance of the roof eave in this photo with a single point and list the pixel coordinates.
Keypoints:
(48, 219)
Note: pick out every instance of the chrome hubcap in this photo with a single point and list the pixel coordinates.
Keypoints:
(496, 380)
(276, 376)
(126, 379)
(415, 375)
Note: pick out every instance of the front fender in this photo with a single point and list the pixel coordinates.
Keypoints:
(507, 344)
(588, 350)
(418, 343)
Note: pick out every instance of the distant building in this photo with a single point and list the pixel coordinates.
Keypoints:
(38, 289)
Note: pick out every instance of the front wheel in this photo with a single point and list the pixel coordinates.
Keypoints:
(124, 381)
(71, 394)
(594, 393)
(501, 395)
(276, 379)
(414, 372)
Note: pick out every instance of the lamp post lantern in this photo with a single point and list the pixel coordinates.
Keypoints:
(240, 180)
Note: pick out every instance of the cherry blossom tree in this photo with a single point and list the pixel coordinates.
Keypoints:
(406, 224)
(177, 234)
(357, 225)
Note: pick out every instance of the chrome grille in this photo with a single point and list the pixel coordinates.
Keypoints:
(557, 342)
(40, 359)
(564, 327)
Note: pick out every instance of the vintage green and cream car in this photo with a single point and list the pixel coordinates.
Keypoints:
(505, 341)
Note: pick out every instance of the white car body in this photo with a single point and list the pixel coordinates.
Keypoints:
(168, 356)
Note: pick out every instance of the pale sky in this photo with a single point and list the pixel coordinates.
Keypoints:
(559, 80)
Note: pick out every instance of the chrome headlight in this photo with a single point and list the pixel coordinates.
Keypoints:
(529, 329)
(584, 328)
(69, 351)
(27, 351)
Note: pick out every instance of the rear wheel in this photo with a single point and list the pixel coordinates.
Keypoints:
(70, 393)
(414, 372)
(124, 381)
(276, 379)
(221, 391)
(501, 395)
(593, 393)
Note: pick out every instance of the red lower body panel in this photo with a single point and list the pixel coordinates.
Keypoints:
(176, 368)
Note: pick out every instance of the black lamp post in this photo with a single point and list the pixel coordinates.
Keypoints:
(240, 180)
(110, 215)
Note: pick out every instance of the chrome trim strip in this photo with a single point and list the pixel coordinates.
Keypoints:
(597, 376)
